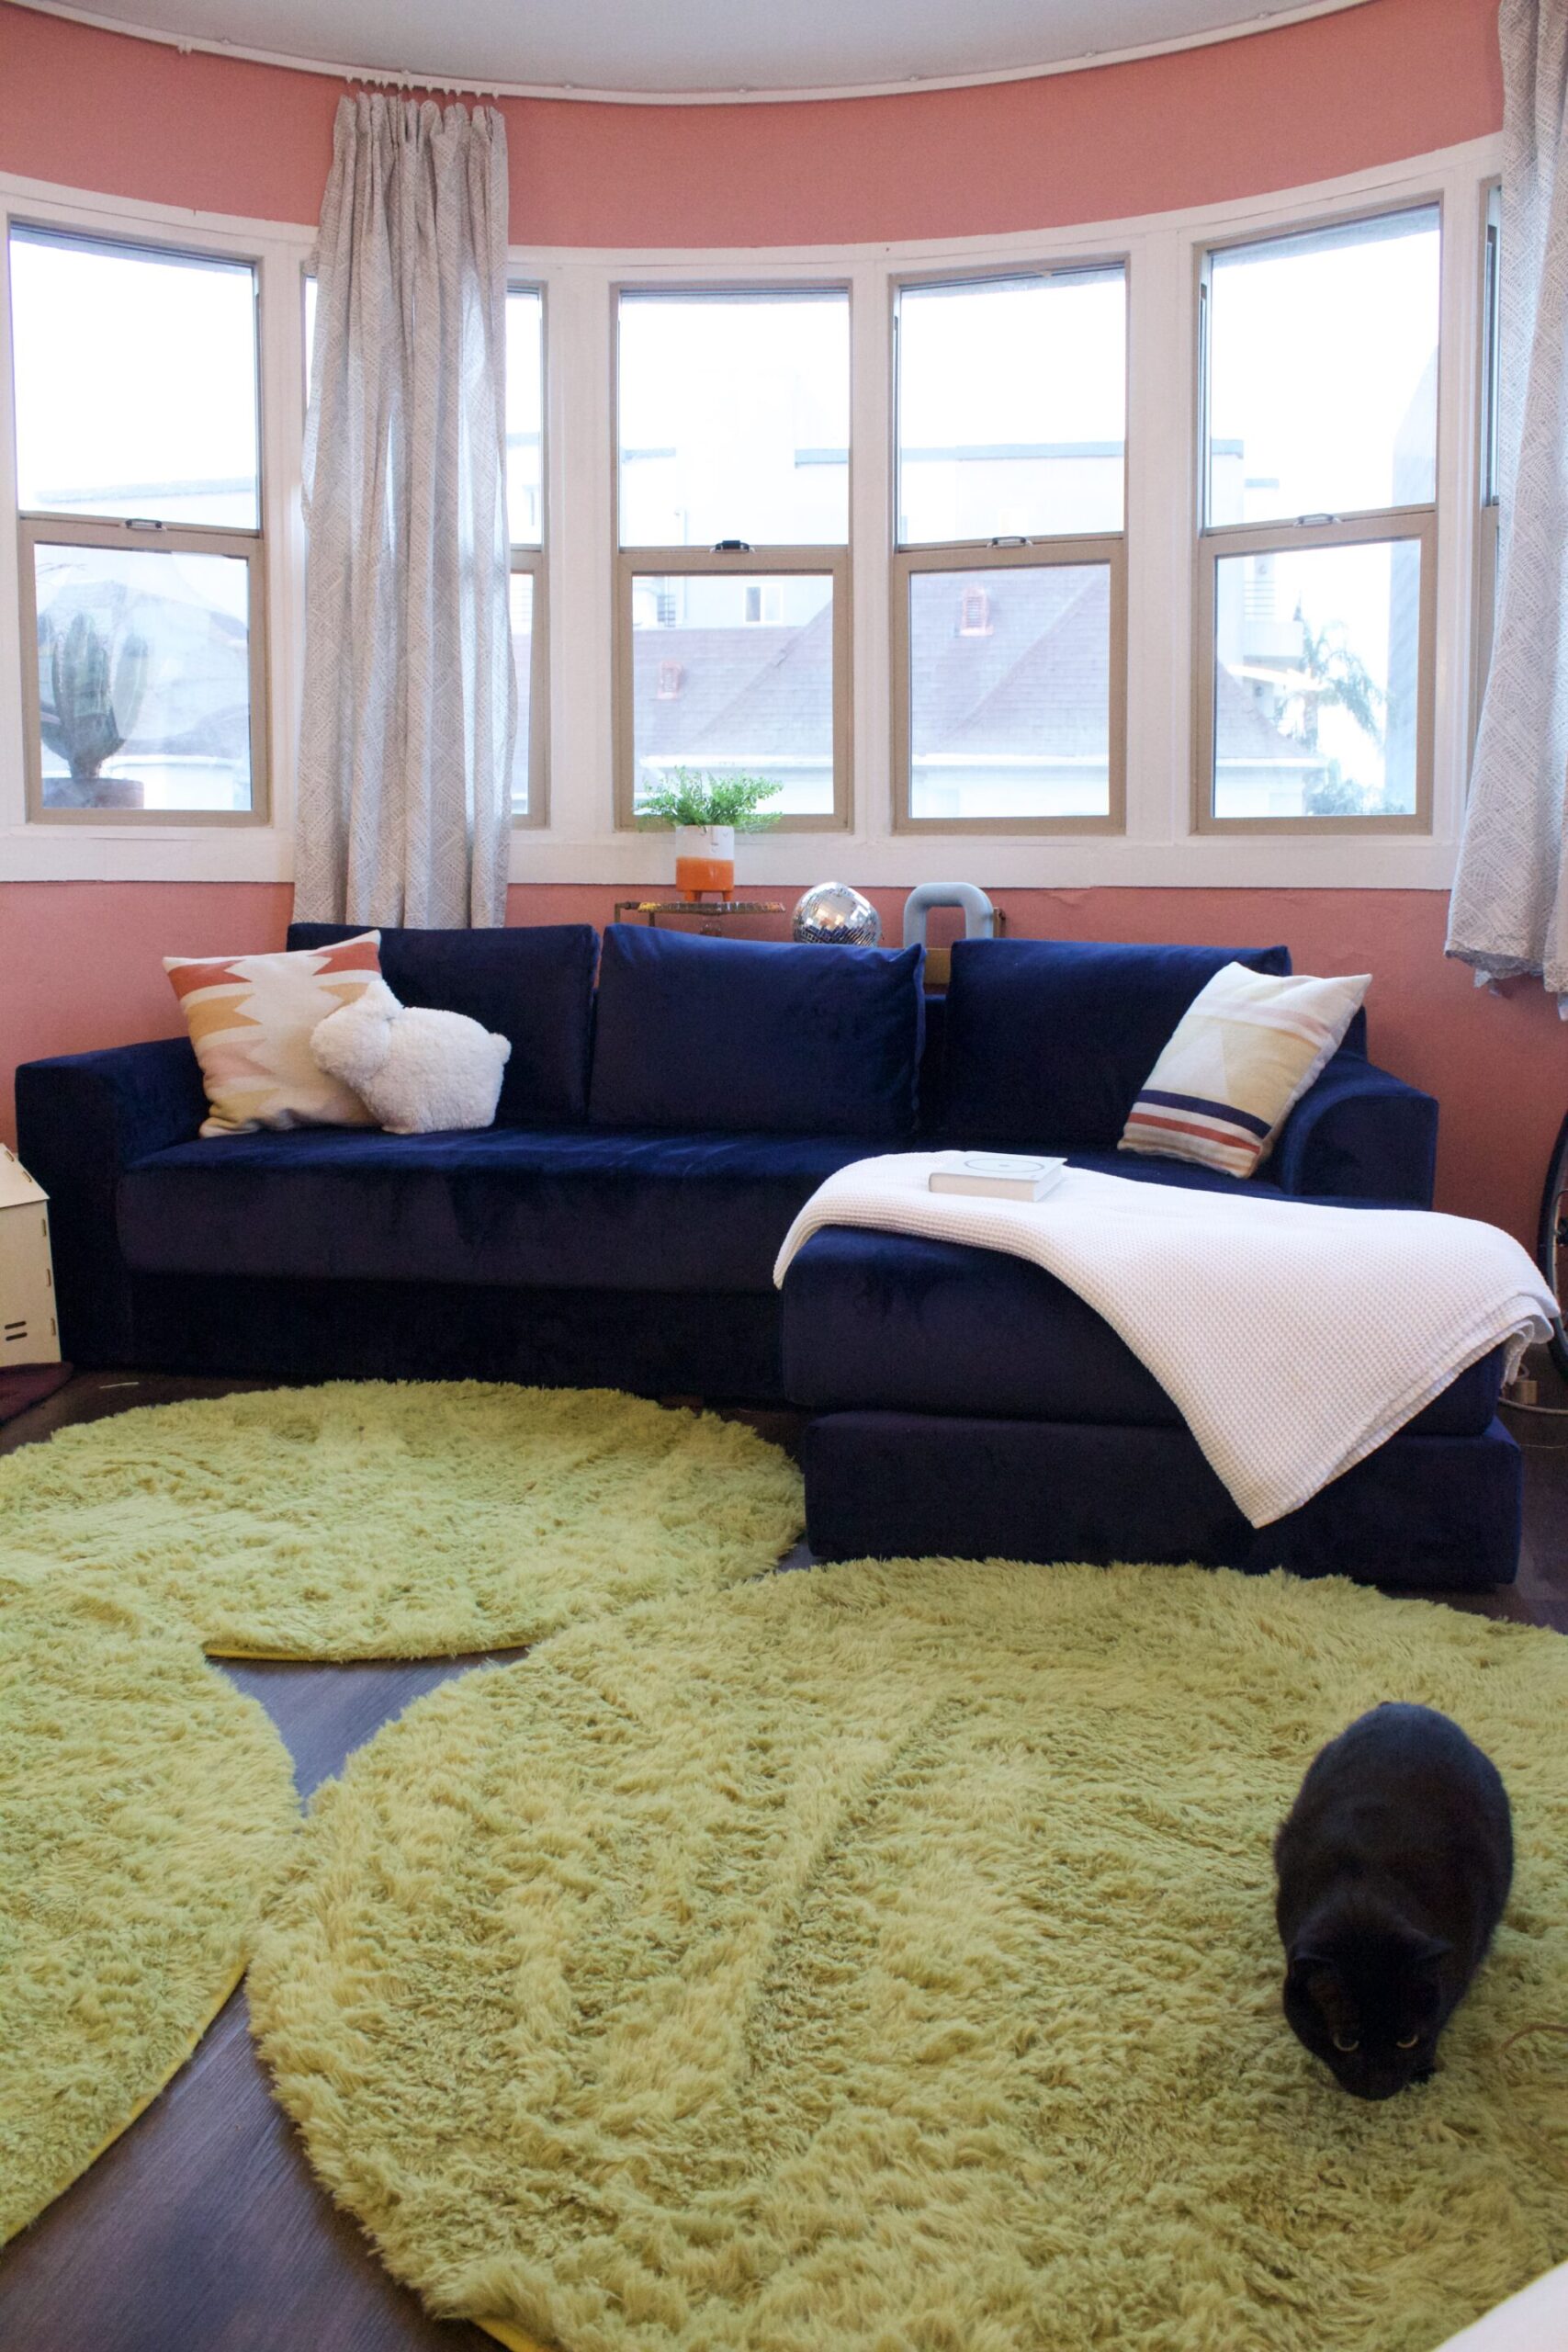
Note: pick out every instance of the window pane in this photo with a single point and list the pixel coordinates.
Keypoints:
(1322, 370)
(523, 663)
(1316, 682)
(1009, 692)
(735, 677)
(734, 418)
(524, 413)
(136, 383)
(1012, 404)
(1492, 348)
(144, 679)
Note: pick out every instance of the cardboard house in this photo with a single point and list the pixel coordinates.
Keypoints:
(29, 1333)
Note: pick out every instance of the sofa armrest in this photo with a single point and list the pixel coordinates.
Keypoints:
(1360, 1133)
(83, 1119)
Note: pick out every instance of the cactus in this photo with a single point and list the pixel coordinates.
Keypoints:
(96, 678)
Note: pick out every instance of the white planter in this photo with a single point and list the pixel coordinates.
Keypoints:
(705, 859)
(704, 840)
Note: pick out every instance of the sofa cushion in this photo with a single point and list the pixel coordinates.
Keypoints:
(886, 1322)
(1438, 1512)
(575, 1209)
(1053, 1037)
(739, 1036)
(532, 984)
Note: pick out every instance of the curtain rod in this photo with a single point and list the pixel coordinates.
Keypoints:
(1267, 19)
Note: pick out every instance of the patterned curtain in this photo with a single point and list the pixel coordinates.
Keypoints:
(1509, 910)
(409, 699)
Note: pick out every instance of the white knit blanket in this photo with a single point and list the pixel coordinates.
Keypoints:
(1292, 1338)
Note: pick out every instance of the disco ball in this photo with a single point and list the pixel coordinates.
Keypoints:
(832, 915)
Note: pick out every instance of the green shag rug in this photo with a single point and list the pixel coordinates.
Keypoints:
(146, 1811)
(376, 1518)
(885, 1961)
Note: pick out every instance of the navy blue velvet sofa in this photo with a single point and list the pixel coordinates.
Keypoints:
(668, 1105)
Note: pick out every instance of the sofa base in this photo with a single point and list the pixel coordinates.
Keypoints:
(1440, 1512)
(720, 1346)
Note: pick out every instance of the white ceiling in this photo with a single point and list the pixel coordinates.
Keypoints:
(660, 48)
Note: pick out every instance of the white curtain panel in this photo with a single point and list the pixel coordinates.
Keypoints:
(409, 699)
(1509, 909)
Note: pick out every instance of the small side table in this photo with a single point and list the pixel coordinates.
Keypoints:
(713, 913)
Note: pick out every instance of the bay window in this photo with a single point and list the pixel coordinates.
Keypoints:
(732, 607)
(525, 528)
(1009, 574)
(137, 444)
(1317, 551)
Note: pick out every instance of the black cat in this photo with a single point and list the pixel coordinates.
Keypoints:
(1393, 1866)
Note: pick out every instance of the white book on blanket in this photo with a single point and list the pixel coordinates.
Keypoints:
(995, 1175)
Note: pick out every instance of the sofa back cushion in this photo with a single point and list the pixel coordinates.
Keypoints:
(532, 984)
(1048, 1040)
(731, 1036)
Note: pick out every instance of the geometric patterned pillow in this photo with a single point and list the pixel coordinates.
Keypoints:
(1243, 1054)
(250, 1019)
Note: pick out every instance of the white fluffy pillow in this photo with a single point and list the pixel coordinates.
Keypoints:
(416, 1071)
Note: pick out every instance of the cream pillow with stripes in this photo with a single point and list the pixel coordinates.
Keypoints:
(1244, 1052)
(250, 1019)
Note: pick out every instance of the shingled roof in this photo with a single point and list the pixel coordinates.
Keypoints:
(1026, 675)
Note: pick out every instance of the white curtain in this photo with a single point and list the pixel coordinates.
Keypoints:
(1509, 910)
(410, 700)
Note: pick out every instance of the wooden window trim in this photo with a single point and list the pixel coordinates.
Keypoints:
(190, 538)
(1395, 522)
(758, 564)
(1375, 527)
(1034, 555)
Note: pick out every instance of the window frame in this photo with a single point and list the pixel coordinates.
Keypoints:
(1361, 526)
(55, 527)
(1160, 849)
(1488, 499)
(761, 560)
(987, 555)
(522, 556)
(1027, 555)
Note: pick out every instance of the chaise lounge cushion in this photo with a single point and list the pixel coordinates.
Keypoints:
(1051, 1038)
(533, 985)
(561, 1209)
(735, 1036)
(884, 1322)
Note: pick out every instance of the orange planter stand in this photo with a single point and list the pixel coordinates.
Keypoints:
(695, 876)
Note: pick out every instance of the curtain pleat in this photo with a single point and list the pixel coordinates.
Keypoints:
(409, 697)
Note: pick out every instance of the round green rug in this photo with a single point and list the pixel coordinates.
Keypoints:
(887, 1962)
(146, 1811)
(377, 1519)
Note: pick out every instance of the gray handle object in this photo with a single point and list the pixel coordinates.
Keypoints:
(979, 915)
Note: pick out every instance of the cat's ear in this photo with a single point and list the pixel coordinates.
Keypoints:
(1308, 1972)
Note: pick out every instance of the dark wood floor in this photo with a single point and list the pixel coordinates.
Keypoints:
(202, 2230)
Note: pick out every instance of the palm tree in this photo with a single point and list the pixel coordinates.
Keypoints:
(1328, 673)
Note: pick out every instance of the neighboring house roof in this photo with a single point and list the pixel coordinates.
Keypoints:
(1030, 678)
(762, 690)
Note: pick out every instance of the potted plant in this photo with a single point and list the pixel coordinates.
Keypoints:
(707, 812)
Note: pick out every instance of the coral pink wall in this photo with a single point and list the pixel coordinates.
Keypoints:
(1396, 77)
(79, 965)
(79, 961)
